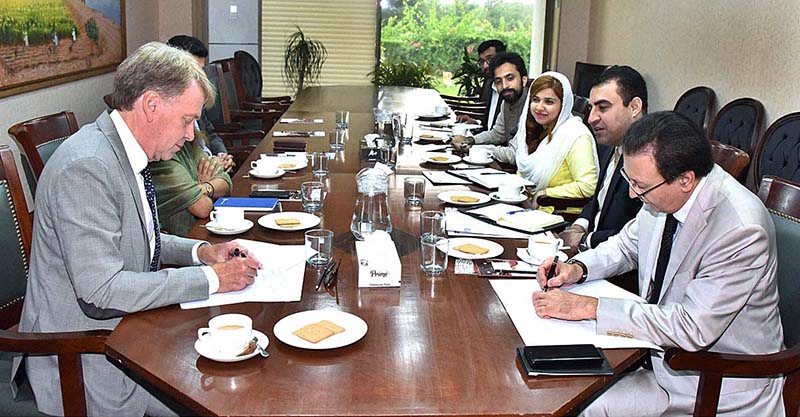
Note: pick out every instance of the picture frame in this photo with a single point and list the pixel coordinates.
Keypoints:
(49, 42)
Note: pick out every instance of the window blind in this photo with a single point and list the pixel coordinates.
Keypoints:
(347, 28)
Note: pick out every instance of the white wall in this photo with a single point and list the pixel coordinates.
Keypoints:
(146, 20)
(739, 48)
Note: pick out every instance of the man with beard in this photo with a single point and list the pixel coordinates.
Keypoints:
(487, 50)
(511, 80)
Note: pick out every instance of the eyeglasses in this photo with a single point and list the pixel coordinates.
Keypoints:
(640, 195)
(486, 61)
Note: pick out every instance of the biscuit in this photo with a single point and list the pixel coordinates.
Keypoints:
(287, 222)
(471, 249)
(313, 333)
(331, 326)
(440, 158)
(464, 199)
(286, 166)
(426, 136)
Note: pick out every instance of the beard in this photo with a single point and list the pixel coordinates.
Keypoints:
(512, 97)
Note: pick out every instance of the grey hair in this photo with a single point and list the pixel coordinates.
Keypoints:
(156, 66)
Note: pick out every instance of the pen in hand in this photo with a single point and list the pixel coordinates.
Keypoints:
(550, 274)
(239, 253)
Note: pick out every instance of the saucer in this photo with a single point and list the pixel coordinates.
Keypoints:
(522, 253)
(446, 158)
(468, 160)
(355, 329)
(243, 227)
(307, 220)
(207, 351)
(518, 199)
(447, 197)
(495, 249)
(430, 117)
(275, 174)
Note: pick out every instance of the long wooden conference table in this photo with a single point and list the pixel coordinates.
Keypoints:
(441, 346)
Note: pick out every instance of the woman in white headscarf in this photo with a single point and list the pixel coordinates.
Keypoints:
(552, 147)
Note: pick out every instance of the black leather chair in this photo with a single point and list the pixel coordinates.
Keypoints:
(783, 202)
(581, 108)
(697, 104)
(585, 76)
(251, 81)
(38, 138)
(778, 151)
(738, 124)
(15, 245)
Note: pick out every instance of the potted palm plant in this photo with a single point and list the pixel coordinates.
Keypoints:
(302, 60)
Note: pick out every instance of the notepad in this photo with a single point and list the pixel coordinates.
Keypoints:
(247, 203)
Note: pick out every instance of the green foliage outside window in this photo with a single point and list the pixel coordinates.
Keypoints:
(435, 34)
(39, 19)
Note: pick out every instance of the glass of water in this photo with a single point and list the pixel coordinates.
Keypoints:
(342, 119)
(433, 254)
(319, 246)
(320, 164)
(414, 191)
(336, 138)
(311, 193)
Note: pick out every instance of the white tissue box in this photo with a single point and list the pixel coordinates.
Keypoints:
(378, 262)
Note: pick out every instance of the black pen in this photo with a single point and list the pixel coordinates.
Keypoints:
(324, 273)
(334, 275)
(550, 274)
(239, 253)
(492, 173)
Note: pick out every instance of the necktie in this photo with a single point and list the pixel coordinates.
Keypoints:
(150, 192)
(654, 291)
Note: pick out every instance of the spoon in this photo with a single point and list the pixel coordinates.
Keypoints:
(252, 346)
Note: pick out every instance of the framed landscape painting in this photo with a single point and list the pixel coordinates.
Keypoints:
(48, 42)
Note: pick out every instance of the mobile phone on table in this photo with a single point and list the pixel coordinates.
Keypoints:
(259, 190)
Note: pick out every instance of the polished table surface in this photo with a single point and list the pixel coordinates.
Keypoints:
(435, 346)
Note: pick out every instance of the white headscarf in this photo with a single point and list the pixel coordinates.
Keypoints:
(540, 166)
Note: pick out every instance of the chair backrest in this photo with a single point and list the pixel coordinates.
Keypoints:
(581, 108)
(219, 114)
(38, 138)
(109, 100)
(778, 151)
(738, 124)
(783, 202)
(15, 240)
(249, 73)
(697, 104)
(733, 160)
(585, 76)
(230, 81)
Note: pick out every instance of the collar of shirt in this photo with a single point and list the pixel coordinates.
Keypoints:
(136, 156)
(683, 212)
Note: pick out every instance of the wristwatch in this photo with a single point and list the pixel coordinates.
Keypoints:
(583, 245)
(574, 261)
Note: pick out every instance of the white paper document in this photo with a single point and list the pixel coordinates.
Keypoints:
(297, 134)
(459, 224)
(516, 296)
(296, 121)
(441, 177)
(492, 178)
(281, 280)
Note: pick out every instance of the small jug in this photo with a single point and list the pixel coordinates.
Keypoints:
(371, 212)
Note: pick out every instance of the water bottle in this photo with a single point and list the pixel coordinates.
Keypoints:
(371, 212)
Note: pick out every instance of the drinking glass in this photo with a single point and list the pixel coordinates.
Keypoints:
(319, 246)
(432, 223)
(414, 191)
(336, 138)
(342, 119)
(408, 136)
(398, 125)
(433, 254)
(388, 155)
(320, 164)
(311, 195)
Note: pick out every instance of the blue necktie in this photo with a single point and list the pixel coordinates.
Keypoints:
(150, 191)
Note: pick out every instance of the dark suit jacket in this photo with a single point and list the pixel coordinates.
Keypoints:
(486, 96)
(618, 208)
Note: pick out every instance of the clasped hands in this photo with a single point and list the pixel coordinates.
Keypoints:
(232, 264)
(554, 302)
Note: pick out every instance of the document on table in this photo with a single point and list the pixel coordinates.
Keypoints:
(292, 120)
(298, 134)
(460, 224)
(515, 294)
(441, 177)
(492, 178)
(281, 280)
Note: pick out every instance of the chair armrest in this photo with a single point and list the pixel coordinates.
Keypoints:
(93, 341)
(561, 203)
(730, 364)
(243, 134)
(275, 99)
(265, 106)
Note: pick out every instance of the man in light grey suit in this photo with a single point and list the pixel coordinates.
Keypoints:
(705, 249)
(97, 249)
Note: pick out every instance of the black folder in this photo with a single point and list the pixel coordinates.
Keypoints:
(564, 360)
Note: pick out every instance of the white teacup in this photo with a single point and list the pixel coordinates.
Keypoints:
(541, 247)
(441, 110)
(228, 333)
(509, 191)
(478, 154)
(263, 167)
(227, 217)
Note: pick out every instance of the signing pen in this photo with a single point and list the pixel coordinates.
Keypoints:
(550, 274)
(239, 253)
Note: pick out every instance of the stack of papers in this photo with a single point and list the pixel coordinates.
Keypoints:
(442, 178)
(281, 280)
(530, 220)
(460, 224)
(515, 294)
